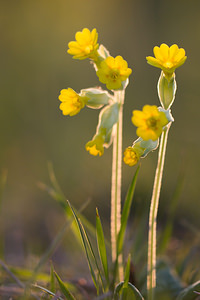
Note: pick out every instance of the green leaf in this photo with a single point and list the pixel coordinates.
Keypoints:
(102, 246)
(52, 279)
(88, 251)
(132, 292)
(126, 279)
(63, 288)
(127, 272)
(189, 293)
(46, 291)
(125, 212)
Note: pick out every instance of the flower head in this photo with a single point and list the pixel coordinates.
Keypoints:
(132, 155)
(150, 122)
(167, 58)
(72, 103)
(113, 71)
(85, 45)
(95, 147)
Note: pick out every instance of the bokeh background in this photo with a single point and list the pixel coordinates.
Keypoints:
(34, 68)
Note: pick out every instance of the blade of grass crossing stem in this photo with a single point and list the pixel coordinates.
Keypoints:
(88, 250)
(126, 211)
(63, 288)
(102, 246)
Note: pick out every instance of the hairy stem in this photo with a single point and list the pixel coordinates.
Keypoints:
(116, 183)
(151, 265)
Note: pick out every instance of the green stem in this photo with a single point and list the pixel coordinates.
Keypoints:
(151, 265)
(116, 183)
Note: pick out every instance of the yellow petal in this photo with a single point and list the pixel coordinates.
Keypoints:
(173, 50)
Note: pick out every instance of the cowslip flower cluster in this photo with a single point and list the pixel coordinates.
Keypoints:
(167, 58)
(113, 72)
(152, 120)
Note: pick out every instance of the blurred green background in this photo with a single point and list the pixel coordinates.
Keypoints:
(35, 66)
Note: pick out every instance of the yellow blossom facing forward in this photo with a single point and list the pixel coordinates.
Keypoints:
(150, 122)
(72, 103)
(85, 46)
(132, 156)
(113, 71)
(95, 147)
(167, 58)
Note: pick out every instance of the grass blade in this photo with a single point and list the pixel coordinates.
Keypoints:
(87, 248)
(52, 279)
(102, 246)
(46, 291)
(125, 212)
(63, 288)
(132, 292)
(190, 293)
(126, 279)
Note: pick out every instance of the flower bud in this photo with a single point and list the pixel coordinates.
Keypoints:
(166, 90)
(132, 154)
(96, 97)
(108, 117)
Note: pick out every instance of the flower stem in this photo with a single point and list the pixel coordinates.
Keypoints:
(116, 184)
(151, 265)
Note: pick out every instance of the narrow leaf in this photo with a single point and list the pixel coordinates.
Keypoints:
(132, 293)
(102, 246)
(46, 291)
(63, 288)
(125, 212)
(86, 247)
(190, 293)
(127, 272)
(126, 279)
(52, 279)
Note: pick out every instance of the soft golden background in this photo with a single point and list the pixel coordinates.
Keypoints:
(35, 66)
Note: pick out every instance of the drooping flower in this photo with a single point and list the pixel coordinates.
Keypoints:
(132, 155)
(72, 103)
(95, 147)
(167, 58)
(113, 71)
(150, 122)
(85, 46)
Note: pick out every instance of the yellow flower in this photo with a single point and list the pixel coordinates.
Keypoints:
(167, 58)
(72, 103)
(150, 122)
(113, 71)
(95, 147)
(131, 156)
(85, 45)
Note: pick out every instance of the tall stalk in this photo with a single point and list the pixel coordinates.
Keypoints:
(151, 265)
(116, 183)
